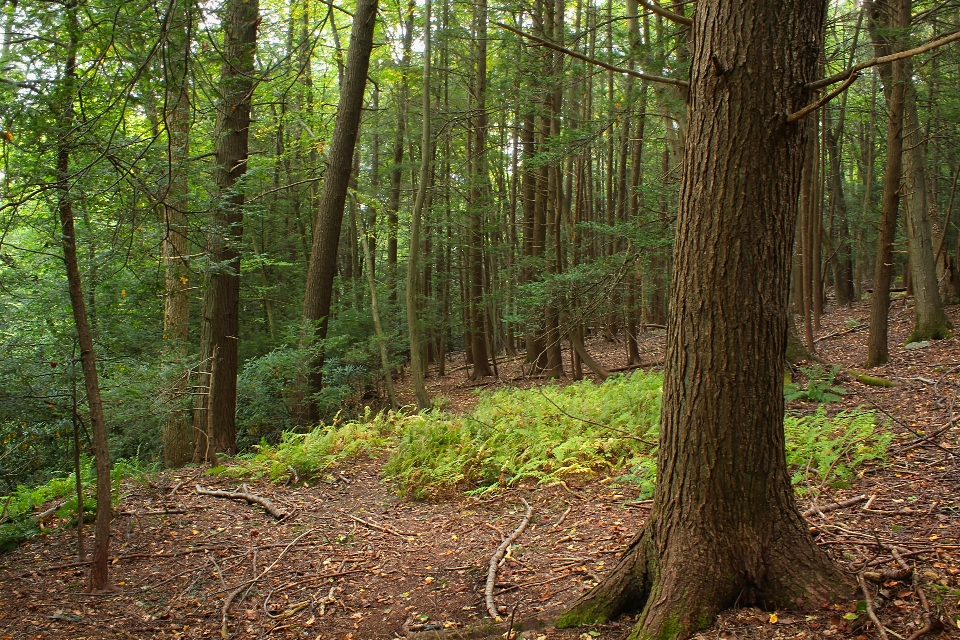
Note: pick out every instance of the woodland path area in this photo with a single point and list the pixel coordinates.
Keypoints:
(352, 561)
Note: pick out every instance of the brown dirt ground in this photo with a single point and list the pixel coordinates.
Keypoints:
(354, 562)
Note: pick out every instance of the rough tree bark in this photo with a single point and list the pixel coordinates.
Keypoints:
(88, 362)
(326, 228)
(214, 417)
(724, 527)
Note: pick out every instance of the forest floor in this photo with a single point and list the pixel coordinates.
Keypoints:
(352, 561)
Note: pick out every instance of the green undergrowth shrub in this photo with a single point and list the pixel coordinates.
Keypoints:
(521, 434)
(544, 435)
(20, 508)
(306, 454)
(824, 452)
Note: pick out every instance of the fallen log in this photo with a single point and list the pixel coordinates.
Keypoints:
(244, 494)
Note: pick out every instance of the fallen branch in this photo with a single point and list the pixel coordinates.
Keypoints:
(225, 611)
(377, 527)
(559, 522)
(245, 494)
(641, 365)
(498, 556)
(833, 506)
(919, 442)
(43, 515)
(870, 612)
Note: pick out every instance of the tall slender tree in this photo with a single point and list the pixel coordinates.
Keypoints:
(66, 116)
(215, 412)
(175, 249)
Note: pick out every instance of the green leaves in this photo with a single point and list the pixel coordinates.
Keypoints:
(820, 387)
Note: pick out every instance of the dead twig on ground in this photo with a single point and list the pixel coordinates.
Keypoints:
(378, 527)
(870, 612)
(244, 494)
(498, 556)
(833, 506)
(225, 611)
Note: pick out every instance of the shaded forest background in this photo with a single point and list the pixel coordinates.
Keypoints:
(548, 192)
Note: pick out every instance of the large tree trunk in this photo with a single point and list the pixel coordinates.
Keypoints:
(88, 361)
(724, 527)
(176, 302)
(214, 420)
(889, 23)
(326, 228)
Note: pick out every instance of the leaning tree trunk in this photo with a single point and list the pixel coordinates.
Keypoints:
(88, 361)
(326, 228)
(214, 419)
(723, 500)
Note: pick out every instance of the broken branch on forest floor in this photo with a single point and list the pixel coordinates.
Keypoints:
(225, 611)
(833, 506)
(245, 494)
(377, 527)
(498, 556)
(870, 612)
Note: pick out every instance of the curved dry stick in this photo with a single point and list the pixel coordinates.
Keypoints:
(870, 612)
(245, 495)
(498, 556)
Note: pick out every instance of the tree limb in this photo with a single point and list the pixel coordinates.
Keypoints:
(893, 57)
(813, 106)
(498, 556)
(594, 61)
(245, 495)
(669, 15)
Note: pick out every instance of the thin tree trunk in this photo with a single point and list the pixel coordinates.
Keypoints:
(877, 349)
(176, 307)
(377, 326)
(99, 579)
(930, 320)
(417, 365)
